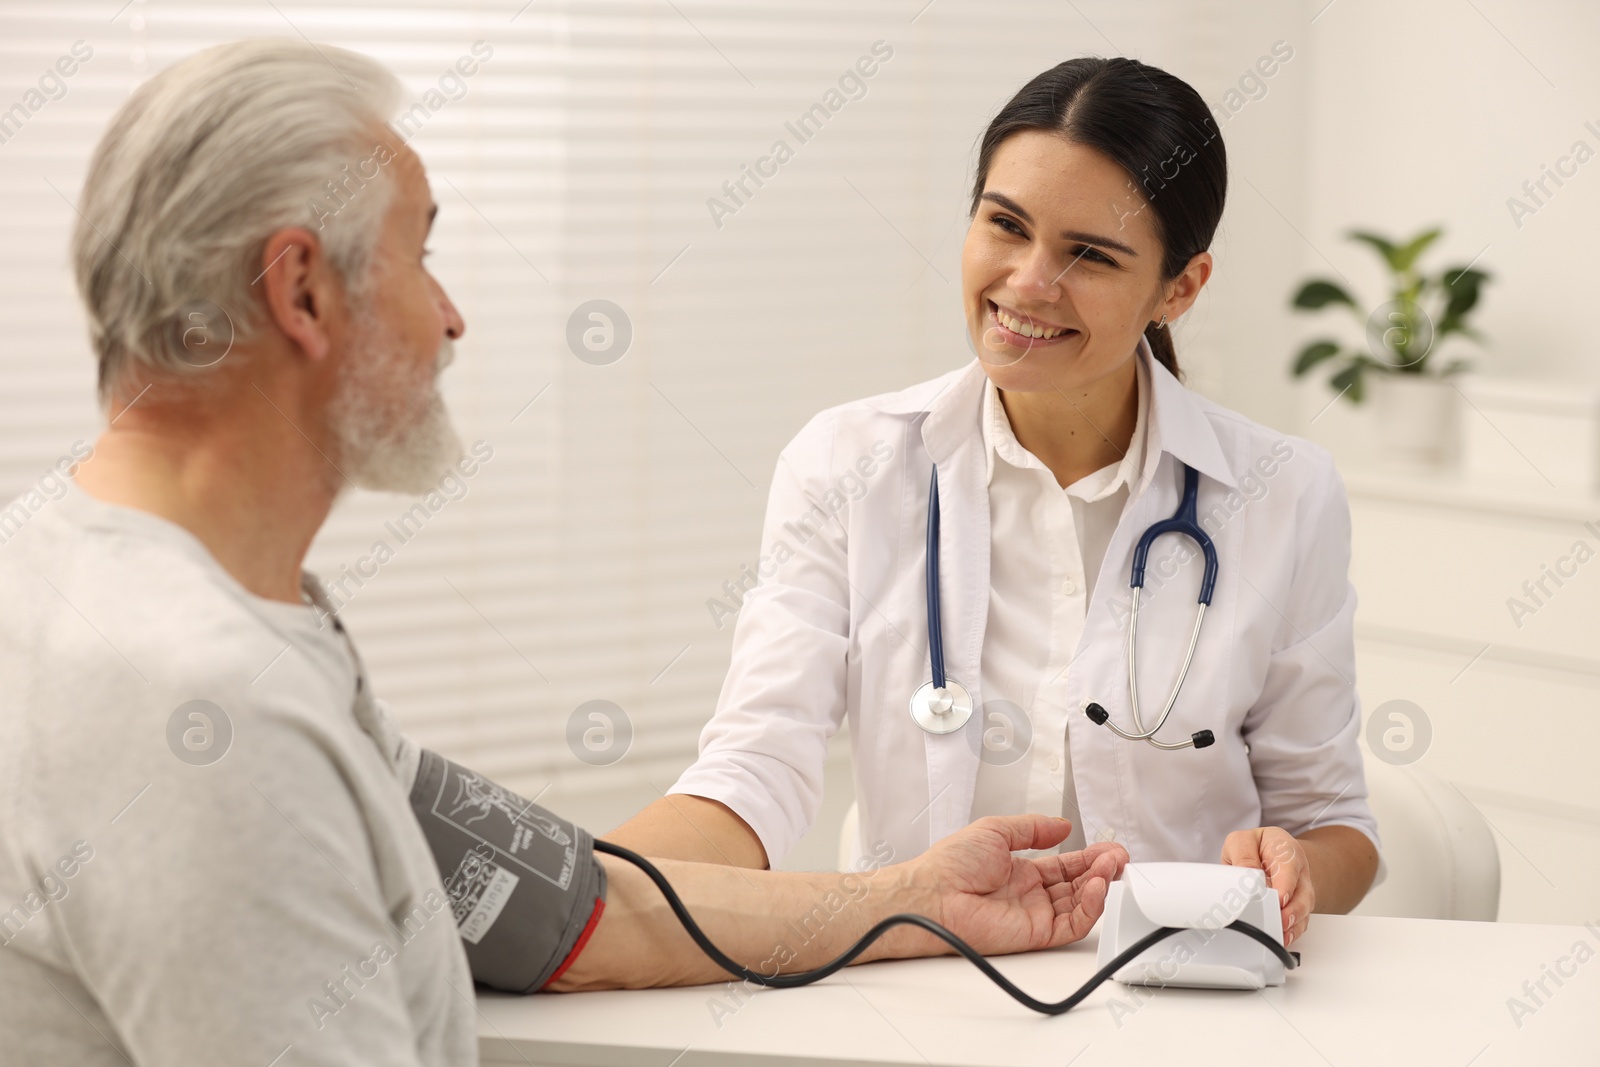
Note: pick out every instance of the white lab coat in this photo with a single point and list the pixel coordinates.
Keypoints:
(837, 629)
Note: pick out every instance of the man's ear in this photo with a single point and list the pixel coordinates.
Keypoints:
(302, 291)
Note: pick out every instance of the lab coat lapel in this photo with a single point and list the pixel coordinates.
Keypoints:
(1179, 432)
(954, 441)
(1099, 669)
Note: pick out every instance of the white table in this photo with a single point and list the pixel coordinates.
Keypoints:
(1368, 991)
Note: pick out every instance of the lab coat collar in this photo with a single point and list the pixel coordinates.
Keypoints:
(1179, 424)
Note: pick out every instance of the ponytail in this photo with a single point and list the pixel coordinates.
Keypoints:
(1160, 340)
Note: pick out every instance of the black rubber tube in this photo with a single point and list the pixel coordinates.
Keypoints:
(800, 978)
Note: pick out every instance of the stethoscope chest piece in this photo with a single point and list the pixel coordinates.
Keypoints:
(941, 711)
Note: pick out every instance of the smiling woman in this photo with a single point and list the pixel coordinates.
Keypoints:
(1082, 238)
(1120, 194)
(1010, 520)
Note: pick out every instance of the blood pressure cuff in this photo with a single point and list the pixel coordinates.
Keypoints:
(524, 885)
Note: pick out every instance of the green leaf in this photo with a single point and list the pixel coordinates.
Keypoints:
(1349, 382)
(1385, 247)
(1463, 284)
(1405, 258)
(1314, 353)
(1401, 258)
(1320, 293)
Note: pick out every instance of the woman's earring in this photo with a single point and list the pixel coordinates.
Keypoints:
(1163, 321)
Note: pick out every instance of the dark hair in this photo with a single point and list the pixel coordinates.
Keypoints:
(1152, 125)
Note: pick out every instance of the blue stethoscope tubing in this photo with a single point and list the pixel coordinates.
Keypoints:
(940, 706)
(943, 706)
(1185, 523)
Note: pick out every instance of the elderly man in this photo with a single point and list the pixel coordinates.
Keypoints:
(215, 847)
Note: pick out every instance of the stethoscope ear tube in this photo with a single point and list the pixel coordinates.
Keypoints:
(1100, 717)
(1185, 523)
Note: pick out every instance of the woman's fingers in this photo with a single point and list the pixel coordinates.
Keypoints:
(1277, 853)
(1297, 909)
(1295, 924)
(1242, 848)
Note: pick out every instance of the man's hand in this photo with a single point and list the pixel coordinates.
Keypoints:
(1000, 903)
(1274, 850)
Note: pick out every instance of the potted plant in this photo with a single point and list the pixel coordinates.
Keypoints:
(1396, 357)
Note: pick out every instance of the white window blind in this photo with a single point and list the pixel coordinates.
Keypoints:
(586, 159)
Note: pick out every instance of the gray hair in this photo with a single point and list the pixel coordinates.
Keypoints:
(202, 164)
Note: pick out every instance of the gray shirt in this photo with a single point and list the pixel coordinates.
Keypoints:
(207, 854)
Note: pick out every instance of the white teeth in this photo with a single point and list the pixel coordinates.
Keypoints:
(1016, 325)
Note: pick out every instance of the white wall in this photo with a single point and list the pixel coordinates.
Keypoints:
(1437, 111)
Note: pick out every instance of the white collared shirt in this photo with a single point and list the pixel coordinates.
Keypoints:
(836, 633)
(1046, 547)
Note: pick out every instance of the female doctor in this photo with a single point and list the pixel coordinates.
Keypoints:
(1098, 189)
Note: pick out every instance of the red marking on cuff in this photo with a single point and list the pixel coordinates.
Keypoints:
(583, 939)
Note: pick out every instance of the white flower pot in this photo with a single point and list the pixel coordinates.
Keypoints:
(1416, 419)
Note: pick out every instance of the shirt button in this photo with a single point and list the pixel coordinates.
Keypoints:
(1069, 587)
(1055, 762)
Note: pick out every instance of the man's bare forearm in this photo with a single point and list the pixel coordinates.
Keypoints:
(683, 827)
(771, 922)
(1343, 864)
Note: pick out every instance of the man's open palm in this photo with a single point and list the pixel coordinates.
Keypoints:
(1000, 903)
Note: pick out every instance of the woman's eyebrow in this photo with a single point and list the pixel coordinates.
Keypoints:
(1070, 235)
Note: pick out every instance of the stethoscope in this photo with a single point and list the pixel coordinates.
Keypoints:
(943, 705)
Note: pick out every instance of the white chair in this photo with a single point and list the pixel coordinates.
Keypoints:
(1440, 852)
(1441, 855)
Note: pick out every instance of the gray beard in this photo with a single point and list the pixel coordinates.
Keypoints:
(390, 441)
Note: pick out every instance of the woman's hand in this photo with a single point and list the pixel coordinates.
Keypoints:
(1000, 903)
(1274, 850)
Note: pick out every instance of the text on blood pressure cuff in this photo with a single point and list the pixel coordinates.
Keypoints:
(524, 885)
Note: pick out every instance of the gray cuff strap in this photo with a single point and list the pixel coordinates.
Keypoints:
(523, 883)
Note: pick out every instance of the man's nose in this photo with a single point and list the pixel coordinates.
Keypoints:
(454, 324)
